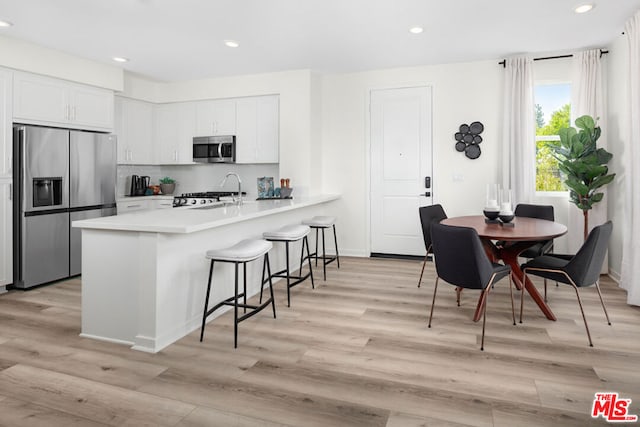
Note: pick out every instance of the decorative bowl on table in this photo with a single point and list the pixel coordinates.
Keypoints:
(506, 217)
(491, 213)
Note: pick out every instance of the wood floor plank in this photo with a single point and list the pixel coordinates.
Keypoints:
(17, 413)
(89, 399)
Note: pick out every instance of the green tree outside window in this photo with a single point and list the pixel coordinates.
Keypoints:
(548, 177)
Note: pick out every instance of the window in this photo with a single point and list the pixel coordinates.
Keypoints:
(553, 112)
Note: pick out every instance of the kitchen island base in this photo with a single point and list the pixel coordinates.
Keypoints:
(146, 289)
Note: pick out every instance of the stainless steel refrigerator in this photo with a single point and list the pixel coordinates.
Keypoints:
(60, 176)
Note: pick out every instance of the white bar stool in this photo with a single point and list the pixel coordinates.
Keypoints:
(288, 234)
(322, 223)
(240, 253)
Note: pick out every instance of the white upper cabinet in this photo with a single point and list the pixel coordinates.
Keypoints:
(174, 130)
(216, 117)
(257, 129)
(48, 101)
(134, 129)
(6, 133)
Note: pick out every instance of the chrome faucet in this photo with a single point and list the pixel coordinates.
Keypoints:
(239, 201)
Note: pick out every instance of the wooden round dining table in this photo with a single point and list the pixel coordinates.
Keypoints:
(524, 233)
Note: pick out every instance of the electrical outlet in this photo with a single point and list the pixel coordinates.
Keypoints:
(458, 177)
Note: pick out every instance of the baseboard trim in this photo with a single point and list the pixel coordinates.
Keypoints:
(397, 256)
(614, 275)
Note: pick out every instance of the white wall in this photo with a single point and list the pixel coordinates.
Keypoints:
(462, 93)
(618, 122)
(26, 56)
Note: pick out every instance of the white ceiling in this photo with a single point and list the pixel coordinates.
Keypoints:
(173, 40)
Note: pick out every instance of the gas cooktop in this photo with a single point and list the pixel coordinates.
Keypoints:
(202, 198)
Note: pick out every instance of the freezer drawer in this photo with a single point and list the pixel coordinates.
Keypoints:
(75, 253)
(44, 249)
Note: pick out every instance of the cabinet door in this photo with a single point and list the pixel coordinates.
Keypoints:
(91, 107)
(257, 130)
(161, 203)
(132, 206)
(134, 131)
(6, 134)
(6, 233)
(38, 99)
(247, 130)
(174, 132)
(216, 117)
(268, 124)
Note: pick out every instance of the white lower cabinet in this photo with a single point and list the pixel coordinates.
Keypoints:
(132, 206)
(144, 203)
(6, 233)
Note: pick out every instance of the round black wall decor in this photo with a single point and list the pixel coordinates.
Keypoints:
(468, 139)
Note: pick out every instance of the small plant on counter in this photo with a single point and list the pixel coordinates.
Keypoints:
(167, 185)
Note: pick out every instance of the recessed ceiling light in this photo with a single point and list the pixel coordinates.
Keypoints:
(120, 59)
(231, 43)
(583, 8)
(5, 24)
(416, 30)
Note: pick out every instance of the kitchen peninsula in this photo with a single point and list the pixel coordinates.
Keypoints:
(144, 274)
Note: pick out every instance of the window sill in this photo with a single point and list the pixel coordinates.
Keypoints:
(553, 194)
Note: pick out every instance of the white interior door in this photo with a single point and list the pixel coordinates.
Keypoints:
(400, 162)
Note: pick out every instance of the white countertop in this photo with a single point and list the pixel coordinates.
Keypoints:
(190, 220)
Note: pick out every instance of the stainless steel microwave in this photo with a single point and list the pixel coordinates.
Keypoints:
(214, 149)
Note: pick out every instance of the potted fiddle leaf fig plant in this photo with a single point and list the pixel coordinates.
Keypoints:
(167, 185)
(584, 164)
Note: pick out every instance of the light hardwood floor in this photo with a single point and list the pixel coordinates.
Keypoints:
(354, 351)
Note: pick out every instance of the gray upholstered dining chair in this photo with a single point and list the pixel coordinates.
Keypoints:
(428, 215)
(579, 270)
(462, 261)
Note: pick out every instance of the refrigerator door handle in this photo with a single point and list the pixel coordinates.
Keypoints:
(10, 191)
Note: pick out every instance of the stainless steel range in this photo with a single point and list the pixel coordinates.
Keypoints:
(204, 198)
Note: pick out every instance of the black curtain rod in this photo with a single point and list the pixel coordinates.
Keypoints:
(504, 62)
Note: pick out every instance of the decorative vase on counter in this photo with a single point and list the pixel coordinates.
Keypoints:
(168, 188)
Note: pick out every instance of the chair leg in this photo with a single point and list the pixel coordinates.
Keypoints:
(317, 229)
(583, 316)
(335, 240)
(513, 311)
(424, 263)
(244, 286)
(235, 310)
(264, 266)
(545, 290)
(602, 302)
(484, 314)
(286, 245)
(435, 289)
(324, 259)
(206, 302)
(268, 266)
(305, 242)
(458, 295)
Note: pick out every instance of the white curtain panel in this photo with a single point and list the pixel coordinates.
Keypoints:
(587, 97)
(630, 279)
(518, 138)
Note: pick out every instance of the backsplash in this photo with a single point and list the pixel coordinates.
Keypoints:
(201, 177)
